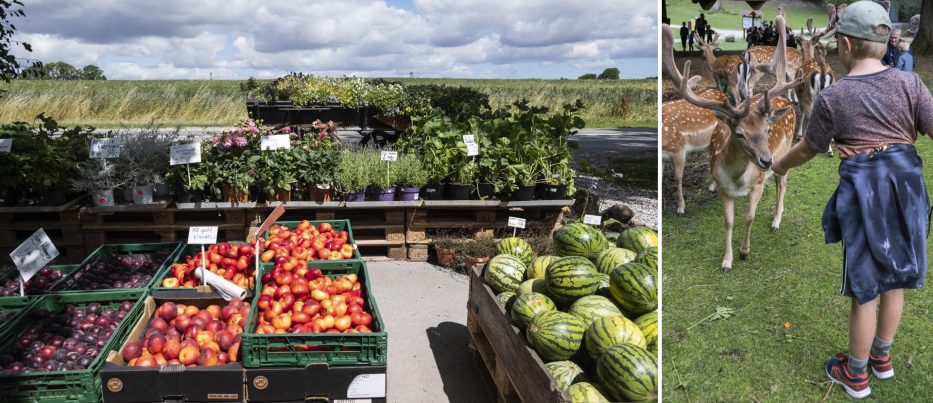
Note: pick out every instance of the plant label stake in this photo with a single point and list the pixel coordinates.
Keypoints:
(187, 154)
(32, 255)
(472, 149)
(469, 139)
(389, 156)
(105, 148)
(516, 223)
(274, 142)
(6, 145)
(202, 235)
(592, 219)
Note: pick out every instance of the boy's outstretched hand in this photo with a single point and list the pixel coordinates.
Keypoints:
(798, 155)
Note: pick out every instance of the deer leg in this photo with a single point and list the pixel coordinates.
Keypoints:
(753, 198)
(781, 185)
(679, 162)
(803, 124)
(728, 211)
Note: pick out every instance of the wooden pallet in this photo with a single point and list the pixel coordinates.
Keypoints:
(483, 222)
(62, 224)
(151, 234)
(382, 250)
(517, 371)
(162, 218)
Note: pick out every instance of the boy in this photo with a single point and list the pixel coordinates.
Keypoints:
(881, 208)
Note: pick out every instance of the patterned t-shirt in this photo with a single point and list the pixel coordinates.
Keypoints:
(871, 110)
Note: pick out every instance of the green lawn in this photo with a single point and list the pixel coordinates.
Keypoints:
(791, 276)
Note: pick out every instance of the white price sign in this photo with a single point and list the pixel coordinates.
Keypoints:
(274, 142)
(6, 145)
(516, 222)
(106, 148)
(469, 139)
(390, 155)
(33, 254)
(185, 154)
(592, 219)
(367, 386)
(202, 235)
(472, 149)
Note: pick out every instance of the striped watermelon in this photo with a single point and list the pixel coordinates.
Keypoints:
(637, 238)
(529, 305)
(592, 307)
(506, 299)
(539, 266)
(606, 332)
(609, 259)
(648, 323)
(571, 277)
(565, 373)
(604, 282)
(516, 247)
(628, 373)
(555, 335)
(634, 288)
(504, 273)
(585, 392)
(649, 257)
(579, 239)
(535, 285)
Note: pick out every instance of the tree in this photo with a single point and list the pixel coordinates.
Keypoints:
(92, 72)
(923, 42)
(587, 76)
(61, 71)
(9, 66)
(611, 73)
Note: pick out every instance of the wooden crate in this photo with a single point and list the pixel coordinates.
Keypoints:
(516, 369)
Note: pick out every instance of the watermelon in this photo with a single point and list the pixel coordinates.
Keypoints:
(506, 299)
(604, 282)
(609, 259)
(634, 288)
(516, 247)
(579, 239)
(536, 285)
(636, 239)
(555, 335)
(592, 307)
(608, 331)
(571, 277)
(585, 392)
(565, 373)
(504, 273)
(528, 305)
(648, 323)
(649, 257)
(628, 373)
(538, 266)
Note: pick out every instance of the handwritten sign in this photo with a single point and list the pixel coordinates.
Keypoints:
(106, 148)
(185, 154)
(592, 219)
(202, 235)
(472, 149)
(516, 222)
(274, 142)
(469, 139)
(390, 155)
(6, 145)
(33, 254)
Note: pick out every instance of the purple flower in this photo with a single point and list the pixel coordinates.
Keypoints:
(239, 141)
(214, 139)
(238, 130)
(226, 142)
(252, 129)
(286, 130)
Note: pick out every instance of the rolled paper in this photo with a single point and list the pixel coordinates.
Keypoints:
(224, 287)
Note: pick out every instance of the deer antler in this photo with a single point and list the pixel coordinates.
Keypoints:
(715, 39)
(809, 27)
(779, 65)
(832, 14)
(724, 108)
(781, 8)
(887, 5)
(667, 55)
(840, 10)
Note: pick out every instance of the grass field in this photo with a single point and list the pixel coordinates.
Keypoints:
(618, 103)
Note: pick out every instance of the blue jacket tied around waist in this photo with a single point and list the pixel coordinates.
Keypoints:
(881, 212)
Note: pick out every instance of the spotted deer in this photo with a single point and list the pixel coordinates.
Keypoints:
(746, 137)
(765, 54)
(729, 71)
(817, 74)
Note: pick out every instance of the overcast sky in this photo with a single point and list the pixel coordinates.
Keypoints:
(233, 39)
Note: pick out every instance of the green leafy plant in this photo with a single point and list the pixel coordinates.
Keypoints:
(409, 172)
(191, 177)
(352, 172)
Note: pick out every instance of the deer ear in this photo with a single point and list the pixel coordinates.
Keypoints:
(779, 113)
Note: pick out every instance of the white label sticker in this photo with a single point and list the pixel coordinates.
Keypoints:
(106, 148)
(390, 155)
(6, 145)
(202, 235)
(186, 153)
(274, 142)
(516, 222)
(33, 254)
(367, 385)
(469, 139)
(472, 149)
(592, 219)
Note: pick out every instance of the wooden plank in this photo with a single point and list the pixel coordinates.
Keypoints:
(539, 203)
(462, 203)
(378, 242)
(389, 204)
(116, 227)
(305, 204)
(128, 207)
(47, 209)
(216, 205)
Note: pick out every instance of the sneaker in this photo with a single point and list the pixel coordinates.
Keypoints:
(838, 372)
(881, 367)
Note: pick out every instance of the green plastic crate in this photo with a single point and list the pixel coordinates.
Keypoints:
(339, 225)
(66, 269)
(183, 252)
(11, 307)
(60, 386)
(277, 350)
(170, 249)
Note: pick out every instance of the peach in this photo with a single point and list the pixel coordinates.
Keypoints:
(182, 321)
(233, 354)
(214, 310)
(222, 358)
(216, 326)
(174, 361)
(146, 361)
(207, 357)
(191, 310)
(206, 315)
(170, 282)
(189, 355)
(204, 336)
(156, 343)
(193, 330)
(160, 324)
(172, 349)
(168, 311)
(225, 339)
(131, 350)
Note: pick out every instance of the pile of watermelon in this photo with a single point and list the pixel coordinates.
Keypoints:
(590, 313)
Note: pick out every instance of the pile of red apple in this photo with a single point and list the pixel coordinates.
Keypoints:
(235, 263)
(306, 243)
(187, 335)
(63, 341)
(304, 300)
(44, 279)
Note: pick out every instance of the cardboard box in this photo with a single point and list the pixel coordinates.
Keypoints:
(317, 382)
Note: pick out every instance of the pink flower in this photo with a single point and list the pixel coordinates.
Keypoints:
(253, 129)
(214, 139)
(286, 130)
(238, 130)
(323, 134)
(227, 142)
(239, 141)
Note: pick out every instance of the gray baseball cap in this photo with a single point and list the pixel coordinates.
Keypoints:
(860, 19)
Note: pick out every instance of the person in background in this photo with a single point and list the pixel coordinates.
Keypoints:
(684, 33)
(905, 61)
(791, 39)
(700, 26)
(709, 34)
(893, 53)
(690, 39)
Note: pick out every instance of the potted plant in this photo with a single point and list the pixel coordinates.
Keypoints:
(410, 176)
(477, 251)
(233, 156)
(99, 177)
(145, 156)
(276, 172)
(461, 185)
(190, 181)
(381, 177)
(352, 176)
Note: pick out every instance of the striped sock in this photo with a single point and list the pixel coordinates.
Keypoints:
(880, 347)
(856, 366)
